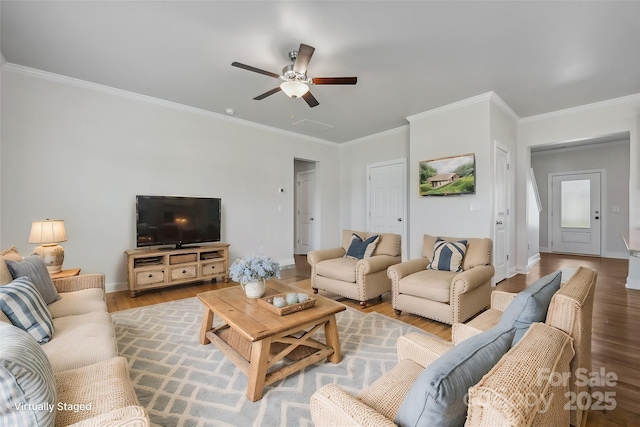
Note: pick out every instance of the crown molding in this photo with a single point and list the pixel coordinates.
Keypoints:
(499, 102)
(453, 106)
(58, 78)
(553, 151)
(583, 108)
(367, 138)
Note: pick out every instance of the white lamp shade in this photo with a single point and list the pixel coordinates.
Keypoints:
(294, 89)
(48, 231)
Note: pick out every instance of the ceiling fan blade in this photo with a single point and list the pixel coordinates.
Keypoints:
(269, 93)
(311, 100)
(334, 80)
(302, 60)
(255, 70)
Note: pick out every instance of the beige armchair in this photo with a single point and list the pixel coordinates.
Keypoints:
(445, 296)
(357, 279)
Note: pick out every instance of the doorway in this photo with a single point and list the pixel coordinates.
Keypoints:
(575, 214)
(501, 213)
(306, 218)
(386, 199)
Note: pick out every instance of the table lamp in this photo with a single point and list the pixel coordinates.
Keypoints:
(48, 233)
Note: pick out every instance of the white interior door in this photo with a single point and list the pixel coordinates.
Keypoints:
(501, 213)
(305, 211)
(575, 213)
(386, 196)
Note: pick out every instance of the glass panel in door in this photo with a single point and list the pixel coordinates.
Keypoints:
(575, 204)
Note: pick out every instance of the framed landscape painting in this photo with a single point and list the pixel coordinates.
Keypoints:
(448, 176)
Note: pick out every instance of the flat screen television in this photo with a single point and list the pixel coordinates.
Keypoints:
(174, 220)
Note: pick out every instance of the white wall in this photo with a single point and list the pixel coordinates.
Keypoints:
(354, 158)
(1, 73)
(614, 159)
(81, 153)
(580, 123)
(460, 128)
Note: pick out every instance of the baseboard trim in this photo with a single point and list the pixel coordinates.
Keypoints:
(533, 260)
(287, 263)
(525, 269)
(632, 284)
(115, 287)
(616, 255)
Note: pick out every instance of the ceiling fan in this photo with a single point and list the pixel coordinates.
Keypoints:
(296, 83)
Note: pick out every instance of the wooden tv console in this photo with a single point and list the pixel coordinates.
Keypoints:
(159, 268)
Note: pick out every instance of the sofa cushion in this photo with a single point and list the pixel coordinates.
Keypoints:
(531, 305)
(78, 302)
(437, 397)
(434, 285)
(35, 269)
(27, 384)
(23, 305)
(360, 249)
(7, 254)
(102, 387)
(389, 244)
(81, 340)
(448, 256)
(343, 269)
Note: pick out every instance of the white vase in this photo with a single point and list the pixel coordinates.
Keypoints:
(254, 289)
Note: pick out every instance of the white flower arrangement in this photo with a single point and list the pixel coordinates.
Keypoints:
(253, 269)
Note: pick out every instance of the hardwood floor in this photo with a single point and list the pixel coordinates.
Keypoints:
(616, 321)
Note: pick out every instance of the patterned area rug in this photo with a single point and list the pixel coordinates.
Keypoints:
(182, 383)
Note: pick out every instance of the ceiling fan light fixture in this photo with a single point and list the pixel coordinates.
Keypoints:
(294, 89)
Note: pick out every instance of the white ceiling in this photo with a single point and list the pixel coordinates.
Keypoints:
(409, 57)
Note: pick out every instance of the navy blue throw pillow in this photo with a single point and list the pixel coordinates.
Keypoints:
(360, 249)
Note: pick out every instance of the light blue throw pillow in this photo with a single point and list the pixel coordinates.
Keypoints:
(439, 396)
(35, 269)
(21, 302)
(27, 383)
(530, 305)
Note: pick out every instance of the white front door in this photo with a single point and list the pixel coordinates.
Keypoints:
(386, 194)
(305, 211)
(501, 214)
(575, 213)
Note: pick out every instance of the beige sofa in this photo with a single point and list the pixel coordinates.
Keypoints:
(83, 355)
(357, 279)
(445, 296)
(509, 394)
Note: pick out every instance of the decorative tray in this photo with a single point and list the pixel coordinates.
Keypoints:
(287, 309)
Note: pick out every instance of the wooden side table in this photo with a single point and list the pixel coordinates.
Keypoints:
(65, 273)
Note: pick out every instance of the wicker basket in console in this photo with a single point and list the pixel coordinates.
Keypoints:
(287, 309)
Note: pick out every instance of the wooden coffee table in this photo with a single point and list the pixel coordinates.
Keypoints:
(258, 340)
